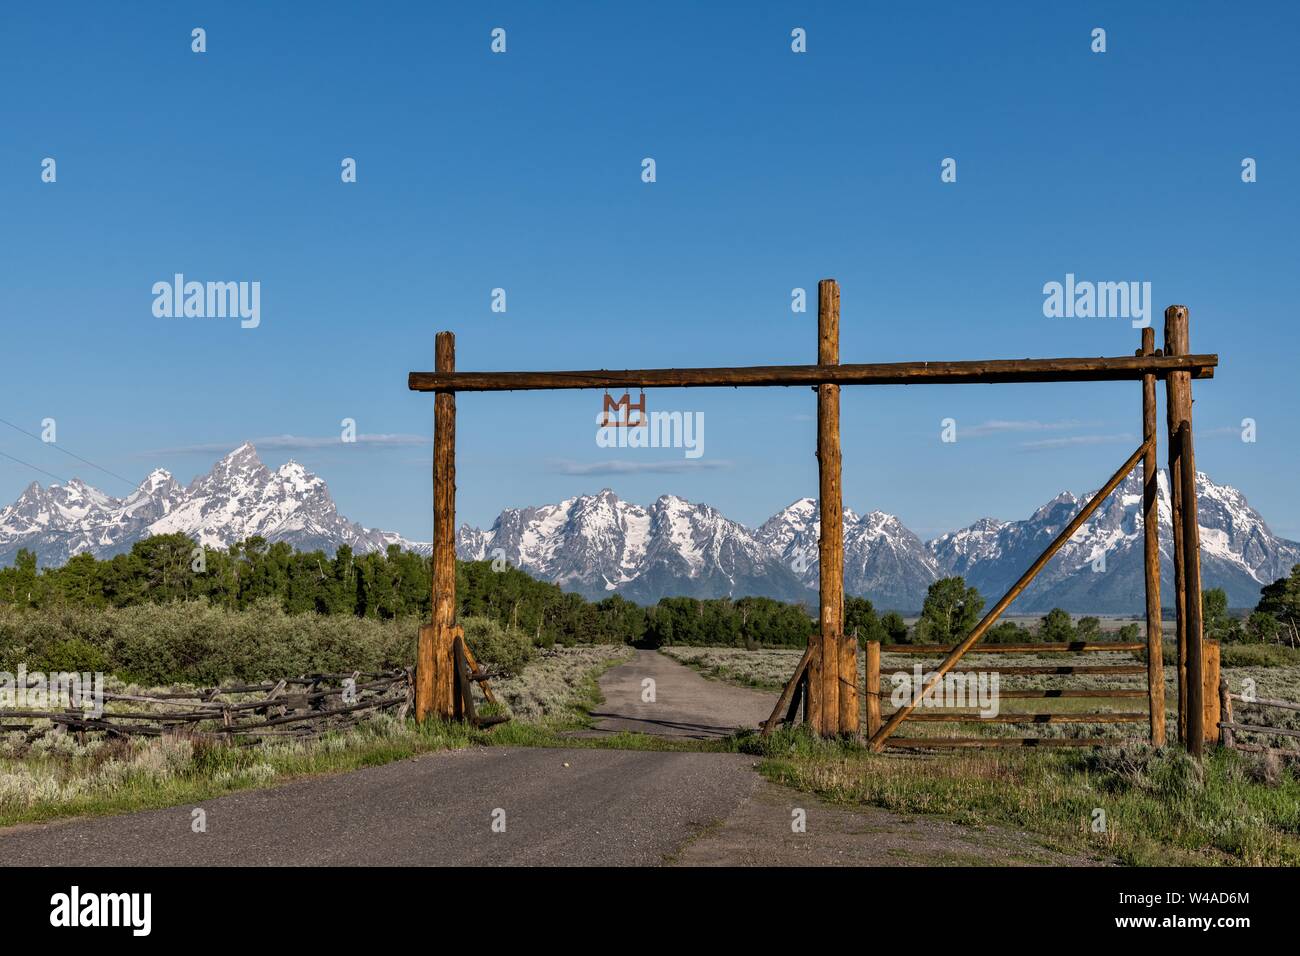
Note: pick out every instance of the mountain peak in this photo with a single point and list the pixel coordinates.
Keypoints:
(671, 502)
(156, 479)
(245, 452)
(297, 479)
(237, 499)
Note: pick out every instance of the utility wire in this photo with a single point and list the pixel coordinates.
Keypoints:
(33, 467)
(57, 447)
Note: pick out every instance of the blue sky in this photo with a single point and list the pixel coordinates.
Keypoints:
(523, 171)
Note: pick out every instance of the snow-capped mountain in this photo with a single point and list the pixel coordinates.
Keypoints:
(883, 560)
(599, 545)
(1100, 568)
(240, 497)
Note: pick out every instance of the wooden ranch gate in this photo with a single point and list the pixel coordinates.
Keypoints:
(827, 675)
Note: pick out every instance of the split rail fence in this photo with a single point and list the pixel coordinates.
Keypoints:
(1230, 727)
(298, 707)
(294, 707)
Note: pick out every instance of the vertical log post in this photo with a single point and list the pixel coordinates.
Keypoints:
(792, 712)
(1192, 575)
(1187, 536)
(1210, 692)
(463, 688)
(1151, 551)
(1175, 388)
(457, 688)
(1195, 609)
(872, 688)
(1225, 711)
(850, 702)
(424, 673)
(435, 688)
(831, 541)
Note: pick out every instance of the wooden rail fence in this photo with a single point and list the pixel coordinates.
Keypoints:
(294, 707)
(1230, 727)
(786, 710)
(953, 715)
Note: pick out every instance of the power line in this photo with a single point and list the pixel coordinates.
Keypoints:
(33, 467)
(57, 447)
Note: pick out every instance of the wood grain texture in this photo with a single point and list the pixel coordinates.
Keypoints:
(1101, 717)
(1192, 587)
(443, 663)
(1188, 544)
(992, 743)
(1177, 403)
(830, 544)
(872, 687)
(984, 371)
(1064, 647)
(1151, 549)
(1211, 703)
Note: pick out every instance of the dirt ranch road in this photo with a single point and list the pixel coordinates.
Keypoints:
(683, 704)
(562, 806)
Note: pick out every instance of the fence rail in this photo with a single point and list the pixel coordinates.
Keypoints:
(1067, 647)
(967, 715)
(317, 703)
(1230, 727)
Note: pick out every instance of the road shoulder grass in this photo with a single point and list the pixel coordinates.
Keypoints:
(1138, 805)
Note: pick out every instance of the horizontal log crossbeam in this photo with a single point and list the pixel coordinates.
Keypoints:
(1122, 368)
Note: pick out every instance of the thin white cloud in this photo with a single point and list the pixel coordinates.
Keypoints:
(998, 426)
(675, 467)
(1072, 440)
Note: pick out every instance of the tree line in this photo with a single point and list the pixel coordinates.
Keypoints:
(396, 584)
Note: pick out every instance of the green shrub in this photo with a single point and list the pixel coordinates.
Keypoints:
(72, 654)
(1258, 655)
(1169, 772)
(194, 642)
(495, 647)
